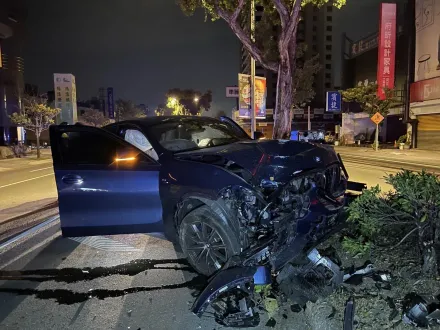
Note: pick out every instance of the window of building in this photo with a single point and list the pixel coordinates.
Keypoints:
(328, 38)
(329, 18)
(330, 9)
(328, 57)
(329, 28)
(315, 48)
(328, 85)
(328, 75)
(314, 28)
(315, 18)
(328, 47)
(328, 66)
(314, 38)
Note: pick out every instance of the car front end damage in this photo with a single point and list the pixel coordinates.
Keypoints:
(295, 203)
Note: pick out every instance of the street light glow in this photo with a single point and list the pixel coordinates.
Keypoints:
(196, 99)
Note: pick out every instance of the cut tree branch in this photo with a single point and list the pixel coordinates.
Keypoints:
(245, 39)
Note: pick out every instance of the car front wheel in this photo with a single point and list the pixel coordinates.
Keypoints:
(206, 241)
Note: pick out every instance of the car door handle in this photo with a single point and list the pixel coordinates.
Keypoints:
(72, 179)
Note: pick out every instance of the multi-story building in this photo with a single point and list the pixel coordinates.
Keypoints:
(12, 15)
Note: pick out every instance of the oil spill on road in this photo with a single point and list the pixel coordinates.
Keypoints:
(72, 275)
(68, 297)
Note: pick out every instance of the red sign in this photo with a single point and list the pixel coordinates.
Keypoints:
(387, 48)
(425, 90)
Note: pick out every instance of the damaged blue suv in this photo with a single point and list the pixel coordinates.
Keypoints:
(202, 183)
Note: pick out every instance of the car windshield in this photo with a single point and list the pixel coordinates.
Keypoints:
(192, 134)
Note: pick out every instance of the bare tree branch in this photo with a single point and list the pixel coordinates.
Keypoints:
(406, 236)
(282, 11)
(245, 39)
(289, 31)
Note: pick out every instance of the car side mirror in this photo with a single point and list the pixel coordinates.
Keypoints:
(258, 135)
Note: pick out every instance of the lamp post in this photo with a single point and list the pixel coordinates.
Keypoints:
(252, 82)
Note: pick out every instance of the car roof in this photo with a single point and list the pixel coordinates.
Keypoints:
(155, 120)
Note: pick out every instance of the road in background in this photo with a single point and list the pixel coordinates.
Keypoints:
(25, 185)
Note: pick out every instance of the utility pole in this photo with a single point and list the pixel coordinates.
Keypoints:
(252, 82)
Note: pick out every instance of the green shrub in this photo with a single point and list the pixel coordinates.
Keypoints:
(412, 207)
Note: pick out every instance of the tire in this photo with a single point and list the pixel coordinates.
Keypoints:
(206, 241)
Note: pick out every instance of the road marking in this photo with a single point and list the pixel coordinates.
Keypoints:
(40, 169)
(38, 177)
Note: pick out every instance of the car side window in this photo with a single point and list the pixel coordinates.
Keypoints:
(87, 148)
(136, 138)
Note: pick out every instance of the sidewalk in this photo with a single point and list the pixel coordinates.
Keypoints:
(413, 158)
(28, 161)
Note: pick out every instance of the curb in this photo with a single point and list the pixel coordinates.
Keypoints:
(390, 163)
(41, 209)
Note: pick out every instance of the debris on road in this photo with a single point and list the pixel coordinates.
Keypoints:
(349, 314)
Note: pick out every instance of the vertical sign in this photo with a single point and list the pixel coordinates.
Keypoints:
(244, 97)
(110, 103)
(65, 97)
(387, 48)
(333, 101)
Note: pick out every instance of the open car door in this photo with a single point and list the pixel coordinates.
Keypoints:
(105, 185)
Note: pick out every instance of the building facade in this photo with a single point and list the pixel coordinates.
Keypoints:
(12, 16)
(425, 91)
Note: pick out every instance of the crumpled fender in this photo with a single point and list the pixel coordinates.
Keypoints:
(222, 281)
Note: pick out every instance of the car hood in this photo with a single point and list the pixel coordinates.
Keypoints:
(274, 160)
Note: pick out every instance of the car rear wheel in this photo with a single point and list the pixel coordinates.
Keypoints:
(206, 241)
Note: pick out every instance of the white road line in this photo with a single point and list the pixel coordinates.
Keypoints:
(29, 231)
(40, 169)
(38, 177)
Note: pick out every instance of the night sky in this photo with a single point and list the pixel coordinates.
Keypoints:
(142, 48)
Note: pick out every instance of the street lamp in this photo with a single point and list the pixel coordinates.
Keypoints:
(196, 99)
(173, 101)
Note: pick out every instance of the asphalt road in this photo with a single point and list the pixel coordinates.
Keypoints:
(118, 282)
(25, 185)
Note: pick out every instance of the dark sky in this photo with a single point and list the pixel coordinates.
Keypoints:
(142, 48)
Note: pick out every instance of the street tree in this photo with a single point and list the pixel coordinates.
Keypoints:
(178, 109)
(35, 116)
(276, 53)
(126, 110)
(193, 101)
(93, 117)
(306, 70)
(366, 96)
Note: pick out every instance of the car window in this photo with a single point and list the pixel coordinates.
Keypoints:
(138, 139)
(189, 134)
(86, 147)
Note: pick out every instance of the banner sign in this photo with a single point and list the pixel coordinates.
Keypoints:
(244, 99)
(65, 97)
(231, 91)
(425, 90)
(387, 48)
(333, 101)
(110, 103)
(364, 45)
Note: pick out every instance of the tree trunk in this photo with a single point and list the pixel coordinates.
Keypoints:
(428, 251)
(37, 134)
(284, 101)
